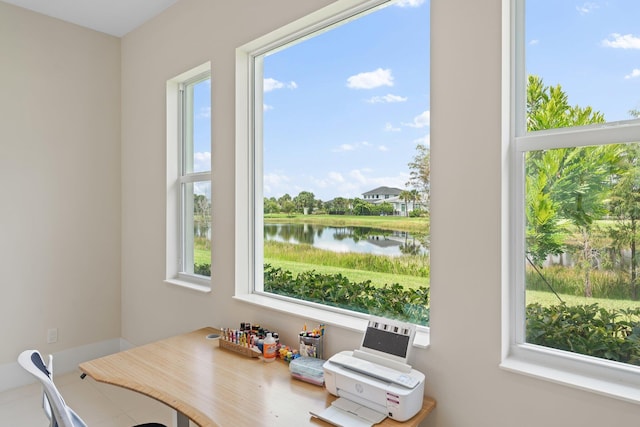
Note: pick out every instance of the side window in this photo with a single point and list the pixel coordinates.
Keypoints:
(190, 195)
(576, 205)
(339, 143)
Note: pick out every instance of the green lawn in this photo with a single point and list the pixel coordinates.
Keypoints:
(377, 279)
(548, 298)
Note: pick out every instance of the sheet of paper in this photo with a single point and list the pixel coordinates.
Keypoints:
(345, 413)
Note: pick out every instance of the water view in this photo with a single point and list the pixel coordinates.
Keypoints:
(348, 239)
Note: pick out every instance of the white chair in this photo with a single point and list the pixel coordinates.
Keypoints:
(59, 414)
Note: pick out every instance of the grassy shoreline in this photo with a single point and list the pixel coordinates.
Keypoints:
(399, 223)
(408, 265)
(377, 279)
(326, 262)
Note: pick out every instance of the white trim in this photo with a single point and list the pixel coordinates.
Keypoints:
(195, 283)
(343, 319)
(613, 379)
(248, 205)
(596, 134)
(174, 215)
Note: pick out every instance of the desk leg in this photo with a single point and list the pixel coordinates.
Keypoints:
(180, 419)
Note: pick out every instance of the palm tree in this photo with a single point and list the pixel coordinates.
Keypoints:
(406, 196)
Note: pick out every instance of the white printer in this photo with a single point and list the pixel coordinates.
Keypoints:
(374, 382)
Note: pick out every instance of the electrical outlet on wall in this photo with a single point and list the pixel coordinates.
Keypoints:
(52, 335)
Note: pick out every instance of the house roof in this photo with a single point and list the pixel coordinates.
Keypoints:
(384, 190)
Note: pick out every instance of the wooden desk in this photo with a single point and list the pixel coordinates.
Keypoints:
(216, 387)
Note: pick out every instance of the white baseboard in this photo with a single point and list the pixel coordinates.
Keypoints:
(64, 362)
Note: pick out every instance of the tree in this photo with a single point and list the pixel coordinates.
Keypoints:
(287, 206)
(419, 173)
(565, 183)
(337, 206)
(271, 205)
(283, 199)
(406, 196)
(625, 205)
(385, 208)
(305, 199)
(361, 207)
(201, 217)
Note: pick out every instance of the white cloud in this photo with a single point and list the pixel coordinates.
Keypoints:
(369, 183)
(420, 121)
(336, 177)
(354, 183)
(266, 107)
(534, 42)
(388, 127)
(425, 140)
(387, 98)
(350, 147)
(270, 84)
(371, 79)
(382, 148)
(410, 3)
(620, 41)
(586, 8)
(201, 161)
(358, 176)
(344, 147)
(276, 183)
(635, 73)
(205, 112)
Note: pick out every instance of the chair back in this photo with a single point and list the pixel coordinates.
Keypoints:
(61, 414)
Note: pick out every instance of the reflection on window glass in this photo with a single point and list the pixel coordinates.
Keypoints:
(345, 148)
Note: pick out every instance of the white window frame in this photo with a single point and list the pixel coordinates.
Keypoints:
(177, 224)
(249, 170)
(601, 376)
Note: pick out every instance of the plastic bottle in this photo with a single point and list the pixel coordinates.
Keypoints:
(269, 348)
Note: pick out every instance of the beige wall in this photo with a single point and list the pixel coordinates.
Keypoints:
(60, 183)
(462, 363)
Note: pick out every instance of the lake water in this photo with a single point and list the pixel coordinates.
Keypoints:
(347, 239)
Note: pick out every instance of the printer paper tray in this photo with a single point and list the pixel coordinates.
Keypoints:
(345, 413)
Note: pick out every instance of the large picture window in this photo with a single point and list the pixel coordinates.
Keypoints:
(576, 199)
(336, 160)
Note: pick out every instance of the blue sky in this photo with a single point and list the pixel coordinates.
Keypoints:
(343, 111)
(590, 48)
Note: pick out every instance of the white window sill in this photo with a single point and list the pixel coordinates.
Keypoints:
(199, 286)
(340, 318)
(610, 379)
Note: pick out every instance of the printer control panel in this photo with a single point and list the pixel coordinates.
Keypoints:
(377, 371)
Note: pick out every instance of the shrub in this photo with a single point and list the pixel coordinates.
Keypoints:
(391, 301)
(586, 329)
(202, 269)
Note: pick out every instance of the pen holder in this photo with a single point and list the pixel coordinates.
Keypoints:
(311, 346)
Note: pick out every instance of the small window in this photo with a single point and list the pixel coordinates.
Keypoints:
(190, 178)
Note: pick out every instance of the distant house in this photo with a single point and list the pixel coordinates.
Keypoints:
(381, 193)
(390, 195)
